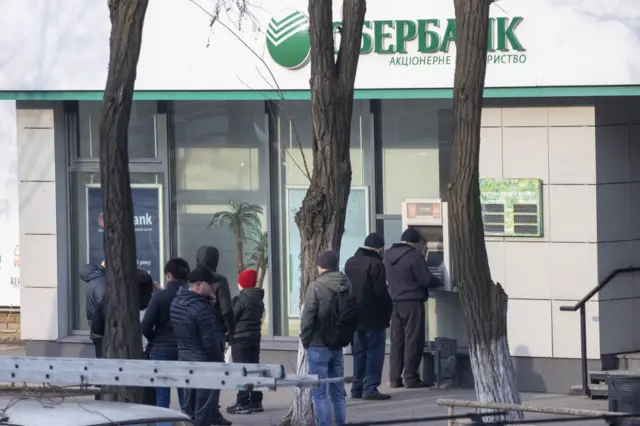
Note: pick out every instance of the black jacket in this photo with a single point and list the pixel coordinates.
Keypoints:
(221, 299)
(248, 309)
(408, 276)
(193, 326)
(365, 271)
(156, 324)
(96, 281)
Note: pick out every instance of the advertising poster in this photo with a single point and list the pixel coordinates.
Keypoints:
(356, 229)
(511, 207)
(147, 220)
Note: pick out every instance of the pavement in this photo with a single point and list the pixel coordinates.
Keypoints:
(405, 404)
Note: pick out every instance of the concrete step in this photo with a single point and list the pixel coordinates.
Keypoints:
(630, 361)
(597, 391)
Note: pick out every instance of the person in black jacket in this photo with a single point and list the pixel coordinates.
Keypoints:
(409, 281)
(248, 310)
(221, 297)
(156, 324)
(366, 272)
(194, 327)
(96, 281)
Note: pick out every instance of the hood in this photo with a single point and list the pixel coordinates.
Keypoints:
(90, 272)
(397, 252)
(208, 255)
(335, 281)
(186, 297)
(362, 251)
(254, 294)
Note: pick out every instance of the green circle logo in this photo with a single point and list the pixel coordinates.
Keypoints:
(288, 40)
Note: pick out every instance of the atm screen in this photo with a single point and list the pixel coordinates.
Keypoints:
(435, 259)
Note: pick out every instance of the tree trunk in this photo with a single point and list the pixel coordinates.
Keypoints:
(239, 249)
(322, 215)
(122, 338)
(262, 270)
(484, 303)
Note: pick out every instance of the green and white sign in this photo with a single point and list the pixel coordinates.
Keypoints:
(288, 39)
(511, 207)
(401, 42)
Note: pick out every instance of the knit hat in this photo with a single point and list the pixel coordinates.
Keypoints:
(247, 278)
(410, 236)
(374, 240)
(328, 260)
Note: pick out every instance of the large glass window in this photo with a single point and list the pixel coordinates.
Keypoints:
(143, 140)
(295, 137)
(414, 132)
(222, 171)
(85, 222)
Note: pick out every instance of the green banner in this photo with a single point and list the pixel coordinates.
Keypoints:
(511, 207)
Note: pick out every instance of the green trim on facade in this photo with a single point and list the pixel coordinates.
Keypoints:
(248, 95)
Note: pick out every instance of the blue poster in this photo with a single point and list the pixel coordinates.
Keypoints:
(147, 221)
(356, 229)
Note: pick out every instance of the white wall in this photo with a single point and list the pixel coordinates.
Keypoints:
(556, 145)
(63, 45)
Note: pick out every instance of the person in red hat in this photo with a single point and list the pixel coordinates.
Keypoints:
(248, 310)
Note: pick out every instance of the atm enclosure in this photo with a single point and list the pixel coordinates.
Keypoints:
(443, 314)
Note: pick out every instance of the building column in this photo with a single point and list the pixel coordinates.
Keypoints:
(38, 236)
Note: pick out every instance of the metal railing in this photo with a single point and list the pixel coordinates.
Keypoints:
(583, 320)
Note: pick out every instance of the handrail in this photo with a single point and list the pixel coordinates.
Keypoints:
(599, 287)
(583, 320)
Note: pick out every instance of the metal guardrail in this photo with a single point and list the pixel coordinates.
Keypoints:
(583, 320)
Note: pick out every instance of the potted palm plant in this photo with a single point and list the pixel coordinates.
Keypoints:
(259, 258)
(242, 219)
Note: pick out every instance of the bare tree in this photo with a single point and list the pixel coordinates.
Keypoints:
(322, 215)
(484, 303)
(122, 337)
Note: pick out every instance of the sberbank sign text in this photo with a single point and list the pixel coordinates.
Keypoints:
(428, 41)
(405, 42)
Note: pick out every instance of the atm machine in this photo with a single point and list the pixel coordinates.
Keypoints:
(444, 316)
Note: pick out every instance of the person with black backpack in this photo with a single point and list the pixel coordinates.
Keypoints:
(329, 319)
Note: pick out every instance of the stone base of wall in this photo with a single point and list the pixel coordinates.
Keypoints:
(9, 325)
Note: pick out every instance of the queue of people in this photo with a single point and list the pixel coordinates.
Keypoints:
(193, 318)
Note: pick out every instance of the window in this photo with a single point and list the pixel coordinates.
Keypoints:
(294, 133)
(221, 160)
(143, 140)
(86, 236)
(415, 136)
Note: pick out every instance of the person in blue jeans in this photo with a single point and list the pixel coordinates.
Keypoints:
(366, 274)
(157, 327)
(324, 362)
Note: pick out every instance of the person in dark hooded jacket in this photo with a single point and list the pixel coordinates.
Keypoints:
(248, 309)
(409, 281)
(194, 328)
(96, 281)
(221, 296)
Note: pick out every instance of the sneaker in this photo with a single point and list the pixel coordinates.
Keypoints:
(377, 397)
(220, 421)
(239, 409)
(256, 407)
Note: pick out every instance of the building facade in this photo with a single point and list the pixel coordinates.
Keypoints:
(221, 115)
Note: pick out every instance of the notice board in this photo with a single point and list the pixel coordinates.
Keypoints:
(511, 207)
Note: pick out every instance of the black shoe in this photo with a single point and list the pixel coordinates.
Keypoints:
(356, 395)
(220, 421)
(256, 407)
(417, 384)
(396, 384)
(377, 397)
(239, 409)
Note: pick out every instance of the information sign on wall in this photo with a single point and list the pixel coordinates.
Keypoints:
(511, 207)
(147, 222)
(356, 229)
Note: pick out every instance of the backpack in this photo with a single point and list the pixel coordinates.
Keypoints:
(339, 323)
